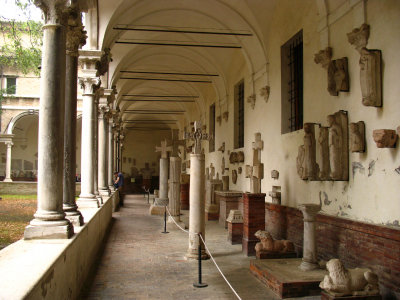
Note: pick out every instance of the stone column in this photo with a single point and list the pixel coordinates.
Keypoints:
(89, 83)
(96, 148)
(110, 155)
(50, 221)
(197, 207)
(174, 205)
(9, 145)
(103, 144)
(310, 260)
(75, 38)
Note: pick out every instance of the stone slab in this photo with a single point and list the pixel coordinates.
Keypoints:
(275, 255)
(327, 296)
(285, 279)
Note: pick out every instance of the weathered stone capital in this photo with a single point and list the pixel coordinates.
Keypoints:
(9, 144)
(89, 85)
(324, 57)
(359, 37)
(76, 36)
(103, 111)
(102, 64)
(54, 10)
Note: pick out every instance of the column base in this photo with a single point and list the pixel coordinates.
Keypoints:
(89, 202)
(177, 220)
(99, 199)
(75, 218)
(156, 210)
(7, 180)
(161, 201)
(193, 254)
(49, 230)
(105, 192)
(308, 266)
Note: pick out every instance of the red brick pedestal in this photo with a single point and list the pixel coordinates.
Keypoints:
(253, 220)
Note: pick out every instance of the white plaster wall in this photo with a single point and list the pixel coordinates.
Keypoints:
(371, 195)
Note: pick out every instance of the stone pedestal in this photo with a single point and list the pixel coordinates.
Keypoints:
(309, 261)
(212, 205)
(185, 178)
(228, 200)
(49, 220)
(159, 203)
(235, 227)
(174, 205)
(197, 207)
(253, 220)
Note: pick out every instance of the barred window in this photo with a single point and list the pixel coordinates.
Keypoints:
(211, 146)
(11, 85)
(239, 115)
(292, 84)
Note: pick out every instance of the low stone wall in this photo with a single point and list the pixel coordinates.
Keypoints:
(55, 269)
(357, 244)
(25, 188)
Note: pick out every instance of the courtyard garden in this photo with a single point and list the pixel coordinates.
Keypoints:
(16, 211)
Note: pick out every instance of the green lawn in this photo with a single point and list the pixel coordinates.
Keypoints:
(15, 213)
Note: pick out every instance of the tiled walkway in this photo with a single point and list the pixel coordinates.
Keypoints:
(139, 262)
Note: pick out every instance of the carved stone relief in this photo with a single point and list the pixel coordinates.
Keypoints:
(338, 76)
(240, 170)
(234, 176)
(225, 115)
(275, 174)
(240, 156)
(338, 146)
(256, 171)
(385, 138)
(264, 92)
(222, 148)
(357, 137)
(219, 120)
(323, 141)
(233, 157)
(252, 100)
(223, 166)
(370, 67)
(311, 167)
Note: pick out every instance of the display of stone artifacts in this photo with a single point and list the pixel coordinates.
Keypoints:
(338, 146)
(370, 67)
(240, 170)
(233, 158)
(357, 137)
(338, 76)
(385, 138)
(222, 148)
(275, 194)
(269, 246)
(256, 171)
(212, 185)
(345, 282)
(264, 92)
(234, 176)
(252, 100)
(223, 166)
(225, 116)
(311, 167)
(300, 162)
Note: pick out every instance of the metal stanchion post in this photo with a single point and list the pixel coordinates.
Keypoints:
(200, 284)
(165, 220)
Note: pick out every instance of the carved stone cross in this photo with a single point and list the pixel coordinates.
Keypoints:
(256, 171)
(176, 142)
(164, 149)
(197, 136)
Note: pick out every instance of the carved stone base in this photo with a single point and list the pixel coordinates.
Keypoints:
(156, 210)
(327, 296)
(161, 201)
(87, 202)
(105, 193)
(48, 232)
(194, 254)
(272, 255)
(76, 219)
(7, 180)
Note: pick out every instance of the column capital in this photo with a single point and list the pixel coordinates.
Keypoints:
(88, 60)
(9, 143)
(54, 10)
(89, 85)
(76, 36)
(104, 111)
(102, 64)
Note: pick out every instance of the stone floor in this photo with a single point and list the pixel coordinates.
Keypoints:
(139, 262)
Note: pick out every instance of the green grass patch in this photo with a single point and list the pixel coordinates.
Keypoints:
(18, 197)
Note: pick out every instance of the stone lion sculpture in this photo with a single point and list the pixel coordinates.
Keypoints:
(268, 244)
(342, 281)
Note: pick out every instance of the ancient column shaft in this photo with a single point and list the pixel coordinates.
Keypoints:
(163, 199)
(110, 156)
(175, 186)
(309, 261)
(8, 162)
(103, 149)
(49, 221)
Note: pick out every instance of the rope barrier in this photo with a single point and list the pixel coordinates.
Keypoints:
(212, 258)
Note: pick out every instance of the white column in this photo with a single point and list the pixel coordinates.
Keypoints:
(110, 155)
(103, 146)
(49, 221)
(89, 83)
(96, 150)
(197, 206)
(163, 187)
(8, 162)
(75, 38)
(174, 204)
(310, 259)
